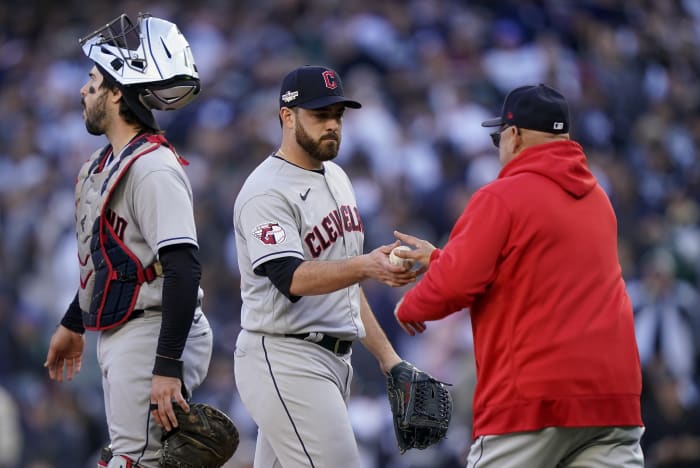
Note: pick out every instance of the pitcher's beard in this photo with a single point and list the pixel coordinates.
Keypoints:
(325, 149)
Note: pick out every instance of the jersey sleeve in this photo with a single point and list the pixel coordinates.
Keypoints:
(267, 224)
(162, 204)
(466, 266)
(281, 272)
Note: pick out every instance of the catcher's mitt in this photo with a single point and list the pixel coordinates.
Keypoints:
(205, 438)
(421, 406)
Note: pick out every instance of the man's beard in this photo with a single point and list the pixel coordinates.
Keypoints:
(96, 117)
(325, 149)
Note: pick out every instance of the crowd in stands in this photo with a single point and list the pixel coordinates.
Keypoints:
(427, 73)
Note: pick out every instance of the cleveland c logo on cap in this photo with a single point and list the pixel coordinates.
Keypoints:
(330, 79)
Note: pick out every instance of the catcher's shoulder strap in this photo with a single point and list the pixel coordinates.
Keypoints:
(118, 272)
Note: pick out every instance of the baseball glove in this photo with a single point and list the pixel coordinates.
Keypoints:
(421, 406)
(205, 438)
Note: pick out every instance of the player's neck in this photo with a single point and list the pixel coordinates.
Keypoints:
(120, 136)
(298, 157)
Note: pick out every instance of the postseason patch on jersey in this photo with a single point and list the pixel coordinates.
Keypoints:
(269, 233)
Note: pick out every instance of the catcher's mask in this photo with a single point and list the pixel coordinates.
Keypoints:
(150, 59)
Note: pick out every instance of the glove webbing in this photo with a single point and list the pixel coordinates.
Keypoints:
(426, 405)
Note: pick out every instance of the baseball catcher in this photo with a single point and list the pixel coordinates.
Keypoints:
(421, 406)
(205, 438)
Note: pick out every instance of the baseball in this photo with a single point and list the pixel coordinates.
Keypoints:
(398, 261)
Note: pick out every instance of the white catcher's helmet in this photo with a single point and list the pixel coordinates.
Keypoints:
(152, 58)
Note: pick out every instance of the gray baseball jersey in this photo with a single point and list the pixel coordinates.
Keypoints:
(284, 210)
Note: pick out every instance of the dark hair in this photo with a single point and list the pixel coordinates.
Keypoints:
(124, 111)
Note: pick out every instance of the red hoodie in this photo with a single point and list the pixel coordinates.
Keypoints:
(534, 257)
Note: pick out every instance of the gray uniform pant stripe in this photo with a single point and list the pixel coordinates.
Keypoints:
(286, 410)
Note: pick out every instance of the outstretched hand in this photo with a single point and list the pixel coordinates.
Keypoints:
(421, 250)
(65, 352)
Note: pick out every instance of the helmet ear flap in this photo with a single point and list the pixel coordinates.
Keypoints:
(170, 95)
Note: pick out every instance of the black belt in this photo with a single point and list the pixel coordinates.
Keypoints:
(136, 314)
(331, 343)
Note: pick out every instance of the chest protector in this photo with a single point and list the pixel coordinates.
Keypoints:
(111, 275)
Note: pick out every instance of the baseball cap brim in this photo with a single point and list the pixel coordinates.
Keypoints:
(329, 100)
(497, 122)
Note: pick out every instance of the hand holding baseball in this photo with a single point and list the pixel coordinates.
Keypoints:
(377, 267)
(420, 252)
(396, 259)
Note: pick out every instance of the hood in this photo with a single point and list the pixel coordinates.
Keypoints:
(560, 161)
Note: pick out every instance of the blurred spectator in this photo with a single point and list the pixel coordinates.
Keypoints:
(667, 322)
(672, 437)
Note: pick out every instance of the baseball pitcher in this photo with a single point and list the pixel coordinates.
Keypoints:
(300, 239)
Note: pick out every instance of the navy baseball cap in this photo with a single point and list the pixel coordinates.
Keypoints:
(313, 87)
(534, 107)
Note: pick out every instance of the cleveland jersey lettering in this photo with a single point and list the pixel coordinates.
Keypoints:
(332, 227)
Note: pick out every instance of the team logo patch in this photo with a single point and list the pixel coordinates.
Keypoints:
(269, 233)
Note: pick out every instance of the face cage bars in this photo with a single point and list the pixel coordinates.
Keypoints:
(125, 36)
